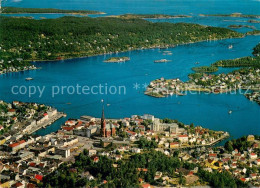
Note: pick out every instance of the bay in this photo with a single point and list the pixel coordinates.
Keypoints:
(207, 110)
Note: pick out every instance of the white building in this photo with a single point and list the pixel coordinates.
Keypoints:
(183, 138)
(64, 152)
(253, 156)
(148, 117)
(171, 127)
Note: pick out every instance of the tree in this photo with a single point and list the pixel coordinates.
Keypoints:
(182, 179)
(192, 125)
(228, 146)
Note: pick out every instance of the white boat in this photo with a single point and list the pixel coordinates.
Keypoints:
(28, 79)
(230, 111)
(230, 46)
(162, 61)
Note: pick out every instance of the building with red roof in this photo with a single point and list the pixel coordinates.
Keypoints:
(38, 177)
(253, 156)
(183, 138)
(147, 185)
(18, 145)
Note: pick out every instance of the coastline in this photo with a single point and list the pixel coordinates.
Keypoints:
(28, 69)
(101, 13)
(47, 123)
(137, 16)
(82, 52)
(213, 143)
(233, 15)
(129, 50)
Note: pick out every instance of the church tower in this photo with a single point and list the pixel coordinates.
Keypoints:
(103, 124)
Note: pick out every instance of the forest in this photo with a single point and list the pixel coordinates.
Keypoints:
(256, 50)
(206, 69)
(127, 173)
(254, 32)
(69, 37)
(239, 144)
(248, 61)
(239, 62)
(18, 10)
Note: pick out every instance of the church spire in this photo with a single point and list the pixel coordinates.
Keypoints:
(103, 122)
(103, 113)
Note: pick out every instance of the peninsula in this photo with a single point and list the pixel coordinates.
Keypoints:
(254, 32)
(238, 62)
(206, 69)
(254, 96)
(117, 59)
(247, 78)
(18, 10)
(71, 37)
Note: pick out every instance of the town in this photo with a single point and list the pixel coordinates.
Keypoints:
(254, 96)
(18, 118)
(27, 160)
(243, 79)
(4, 70)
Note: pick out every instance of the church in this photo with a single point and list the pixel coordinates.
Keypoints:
(107, 130)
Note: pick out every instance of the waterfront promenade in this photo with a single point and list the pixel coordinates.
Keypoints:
(46, 123)
(214, 142)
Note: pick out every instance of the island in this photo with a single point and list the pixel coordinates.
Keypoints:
(247, 78)
(71, 37)
(234, 26)
(253, 21)
(117, 59)
(19, 10)
(149, 16)
(254, 32)
(236, 15)
(206, 69)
